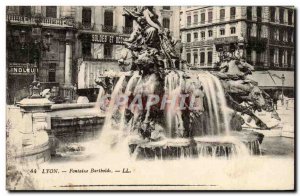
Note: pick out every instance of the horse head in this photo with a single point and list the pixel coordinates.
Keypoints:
(257, 98)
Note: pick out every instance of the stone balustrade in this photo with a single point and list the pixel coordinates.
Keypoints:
(45, 21)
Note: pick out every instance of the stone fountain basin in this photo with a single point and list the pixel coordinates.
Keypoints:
(216, 146)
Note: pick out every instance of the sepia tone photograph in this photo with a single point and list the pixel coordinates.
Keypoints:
(150, 98)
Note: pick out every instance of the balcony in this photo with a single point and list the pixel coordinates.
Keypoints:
(281, 43)
(127, 30)
(109, 29)
(44, 21)
(232, 17)
(88, 26)
(104, 59)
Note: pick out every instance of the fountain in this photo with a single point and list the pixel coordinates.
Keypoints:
(158, 110)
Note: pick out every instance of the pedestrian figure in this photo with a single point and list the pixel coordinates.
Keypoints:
(275, 100)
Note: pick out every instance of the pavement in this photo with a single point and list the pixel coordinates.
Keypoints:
(283, 128)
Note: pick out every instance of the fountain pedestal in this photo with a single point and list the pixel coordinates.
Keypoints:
(238, 143)
(34, 140)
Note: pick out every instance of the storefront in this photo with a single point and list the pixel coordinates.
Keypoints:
(19, 78)
(272, 81)
(100, 54)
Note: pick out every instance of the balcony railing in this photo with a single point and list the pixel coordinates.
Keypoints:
(111, 29)
(87, 26)
(104, 59)
(232, 17)
(127, 30)
(45, 21)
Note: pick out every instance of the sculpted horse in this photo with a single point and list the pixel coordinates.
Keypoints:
(242, 94)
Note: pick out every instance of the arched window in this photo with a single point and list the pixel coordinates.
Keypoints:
(25, 11)
(195, 36)
(189, 20)
(188, 37)
(210, 33)
(166, 23)
(232, 30)
(196, 19)
(188, 57)
(222, 14)
(232, 13)
(249, 13)
(51, 11)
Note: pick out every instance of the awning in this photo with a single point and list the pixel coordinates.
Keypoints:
(273, 79)
(89, 71)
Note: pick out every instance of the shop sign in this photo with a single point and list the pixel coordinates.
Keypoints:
(21, 69)
(223, 40)
(107, 39)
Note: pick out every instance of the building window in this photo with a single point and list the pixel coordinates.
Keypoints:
(249, 30)
(52, 72)
(196, 19)
(258, 13)
(281, 15)
(222, 14)
(232, 30)
(290, 17)
(203, 35)
(210, 16)
(108, 51)
(222, 31)
(86, 16)
(167, 7)
(202, 58)
(276, 34)
(209, 57)
(232, 13)
(25, 11)
(249, 13)
(195, 36)
(195, 58)
(128, 25)
(166, 23)
(188, 57)
(188, 37)
(108, 18)
(51, 11)
(248, 55)
(86, 49)
(210, 33)
(272, 14)
(258, 31)
(189, 20)
(202, 18)
(290, 36)
(272, 57)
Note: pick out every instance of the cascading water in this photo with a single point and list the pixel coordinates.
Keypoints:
(173, 88)
(215, 141)
(216, 103)
(99, 97)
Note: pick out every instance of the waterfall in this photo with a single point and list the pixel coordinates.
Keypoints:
(216, 102)
(98, 101)
(216, 141)
(173, 88)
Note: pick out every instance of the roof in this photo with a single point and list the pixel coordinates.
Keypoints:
(273, 78)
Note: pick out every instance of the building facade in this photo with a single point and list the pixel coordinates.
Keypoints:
(28, 52)
(86, 41)
(268, 33)
(100, 37)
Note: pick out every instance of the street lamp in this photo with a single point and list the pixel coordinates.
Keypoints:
(282, 80)
(39, 45)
